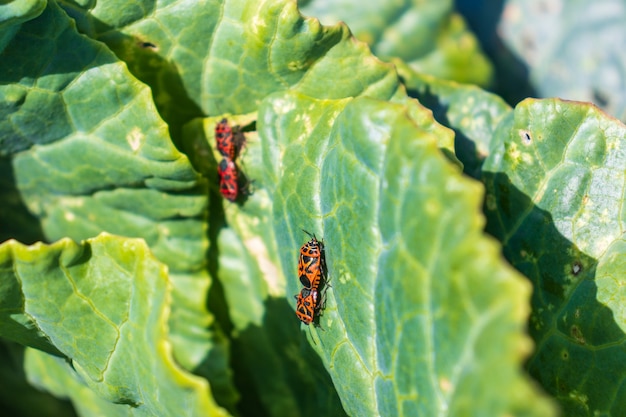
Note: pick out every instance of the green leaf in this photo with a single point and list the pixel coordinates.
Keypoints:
(472, 113)
(555, 180)
(421, 316)
(91, 154)
(429, 36)
(611, 282)
(214, 58)
(253, 284)
(247, 260)
(104, 305)
(13, 13)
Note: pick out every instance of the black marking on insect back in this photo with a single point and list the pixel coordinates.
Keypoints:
(304, 280)
(223, 165)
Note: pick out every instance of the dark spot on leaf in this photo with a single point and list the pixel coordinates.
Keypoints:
(565, 355)
(577, 335)
(527, 139)
(148, 45)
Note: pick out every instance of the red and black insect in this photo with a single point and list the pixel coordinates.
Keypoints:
(312, 275)
(311, 263)
(307, 306)
(229, 177)
(229, 140)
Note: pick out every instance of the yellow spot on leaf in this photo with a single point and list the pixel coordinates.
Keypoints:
(345, 277)
(445, 385)
(581, 398)
(135, 138)
(432, 207)
(527, 158)
(514, 152)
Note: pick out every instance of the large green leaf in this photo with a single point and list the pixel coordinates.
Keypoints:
(212, 58)
(555, 180)
(472, 113)
(248, 259)
(427, 35)
(422, 316)
(15, 12)
(262, 322)
(103, 307)
(90, 153)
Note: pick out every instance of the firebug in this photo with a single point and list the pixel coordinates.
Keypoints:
(229, 140)
(311, 263)
(308, 305)
(229, 186)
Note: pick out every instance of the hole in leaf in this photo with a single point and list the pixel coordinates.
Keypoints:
(527, 139)
(148, 45)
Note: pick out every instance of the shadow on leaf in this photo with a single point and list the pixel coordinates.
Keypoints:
(464, 147)
(580, 353)
(276, 370)
(22, 399)
(16, 222)
(146, 63)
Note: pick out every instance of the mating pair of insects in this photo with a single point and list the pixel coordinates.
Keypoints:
(312, 274)
(229, 141)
